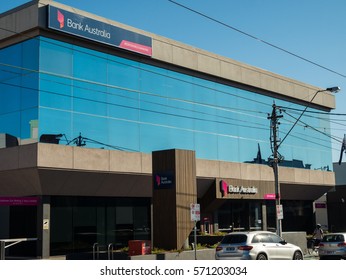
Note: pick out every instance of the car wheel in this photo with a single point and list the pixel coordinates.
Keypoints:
(262, 257)
(297, 256)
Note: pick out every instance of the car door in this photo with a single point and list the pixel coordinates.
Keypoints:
(282, 249)
(269, 246)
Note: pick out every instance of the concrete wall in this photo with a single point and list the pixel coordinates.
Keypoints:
(297, 238)
(80, 158)
(19, 169)
(246, 171)
(340, 173)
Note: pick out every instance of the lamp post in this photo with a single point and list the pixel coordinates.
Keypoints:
(276, 143)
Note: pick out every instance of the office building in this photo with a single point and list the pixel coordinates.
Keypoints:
(110, 133)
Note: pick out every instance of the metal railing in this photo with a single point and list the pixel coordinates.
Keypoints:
(11, 242)
(96, 251)
(110, 251)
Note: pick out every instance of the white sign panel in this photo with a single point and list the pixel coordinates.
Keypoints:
(195, 212)
(279, 212)
(45, 223)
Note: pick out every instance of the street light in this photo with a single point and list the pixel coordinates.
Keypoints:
(331, 89)
(275, 148)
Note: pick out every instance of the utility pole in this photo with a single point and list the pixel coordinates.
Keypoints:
(276, 143)
(274, 126)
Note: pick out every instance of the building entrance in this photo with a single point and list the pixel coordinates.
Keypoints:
(238, 215)
(79, 222)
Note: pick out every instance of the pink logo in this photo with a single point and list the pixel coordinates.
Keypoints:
(158, 180)
(61, 19)
(223, 188)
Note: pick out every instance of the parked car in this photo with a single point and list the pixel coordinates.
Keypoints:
(256, 245)
(333, 246)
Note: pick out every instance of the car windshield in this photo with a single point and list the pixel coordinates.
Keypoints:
(333, 238)
(234, 239)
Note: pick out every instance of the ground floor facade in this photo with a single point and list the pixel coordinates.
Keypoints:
(70, 204)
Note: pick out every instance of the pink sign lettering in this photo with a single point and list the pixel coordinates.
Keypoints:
(19, 201)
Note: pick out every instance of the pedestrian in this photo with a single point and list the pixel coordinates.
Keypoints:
(318, 234)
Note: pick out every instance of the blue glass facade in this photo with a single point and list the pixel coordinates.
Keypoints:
(50, 87)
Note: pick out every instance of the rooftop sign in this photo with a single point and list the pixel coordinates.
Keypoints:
(91, 29)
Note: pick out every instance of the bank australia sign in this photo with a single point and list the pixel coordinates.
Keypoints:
(94, 30)
(233, 189)
(163, 180)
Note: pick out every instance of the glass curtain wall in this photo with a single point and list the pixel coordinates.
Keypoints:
(19, 84)
(117, 103)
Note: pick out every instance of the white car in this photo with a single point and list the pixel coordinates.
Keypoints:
(256, 245)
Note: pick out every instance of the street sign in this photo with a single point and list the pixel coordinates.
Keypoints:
(279, 212)
(195, 212)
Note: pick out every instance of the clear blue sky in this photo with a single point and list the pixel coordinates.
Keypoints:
(313, 29)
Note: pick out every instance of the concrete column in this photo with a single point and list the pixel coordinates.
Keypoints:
(216, 221)
(43, 228)
(174, 189)
(4, 221)
(2, 250)
(264, 217)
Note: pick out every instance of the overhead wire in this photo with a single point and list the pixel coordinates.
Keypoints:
(329, 120)
(313, 112)
(307, 125)
(258, 39)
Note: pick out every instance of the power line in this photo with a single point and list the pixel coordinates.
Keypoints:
(306, 125)
(258, 39)
(314, 112)
(338, 122)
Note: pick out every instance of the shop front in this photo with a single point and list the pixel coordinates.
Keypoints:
(236, 204)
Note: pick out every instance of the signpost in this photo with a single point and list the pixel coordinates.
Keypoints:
(195, 217)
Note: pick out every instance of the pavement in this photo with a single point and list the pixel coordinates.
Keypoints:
(311, 257)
